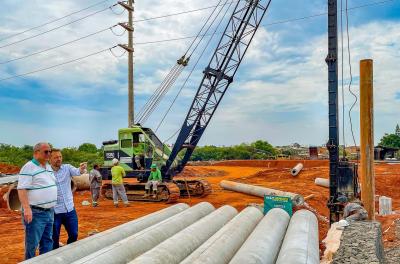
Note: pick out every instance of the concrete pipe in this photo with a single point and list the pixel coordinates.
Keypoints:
(181, 245)
(8, 179)
(263, 244)
(81, 248)
(296, 170)
(300, 245)
(260, 191)
(10, 198)
(81, 182)
(322, 182)
(73, 186)
(131, 247)
(224, 244)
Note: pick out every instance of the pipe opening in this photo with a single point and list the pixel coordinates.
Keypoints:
(13, 200)
(73, 186)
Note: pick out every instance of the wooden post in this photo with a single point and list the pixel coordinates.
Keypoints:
(367, 137)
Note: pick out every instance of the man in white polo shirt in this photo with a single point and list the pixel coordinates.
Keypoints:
(37, 191)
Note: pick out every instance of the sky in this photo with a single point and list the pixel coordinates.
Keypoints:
(279, 93)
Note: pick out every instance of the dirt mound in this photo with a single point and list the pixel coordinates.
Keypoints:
(8, 169)
(201, 172)
(278, 164)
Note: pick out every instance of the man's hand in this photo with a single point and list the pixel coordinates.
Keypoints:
(83, 167)
(28, 215)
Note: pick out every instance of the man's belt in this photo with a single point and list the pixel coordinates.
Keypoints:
(40, 208)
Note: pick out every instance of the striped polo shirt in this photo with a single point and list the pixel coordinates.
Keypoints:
(40, 184)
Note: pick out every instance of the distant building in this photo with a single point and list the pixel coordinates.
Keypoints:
(397, 132)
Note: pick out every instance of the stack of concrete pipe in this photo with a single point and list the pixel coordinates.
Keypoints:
(200, 234)
(297, 199)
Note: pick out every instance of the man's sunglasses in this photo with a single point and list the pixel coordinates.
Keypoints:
(47, 152)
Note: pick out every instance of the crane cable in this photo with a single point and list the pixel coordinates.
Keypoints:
(192, 70)
(158, 95)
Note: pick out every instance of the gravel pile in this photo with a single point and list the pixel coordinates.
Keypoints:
(361, 243)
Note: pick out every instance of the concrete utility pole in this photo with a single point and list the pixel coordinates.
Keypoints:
(129, 48)
(131, 114)
(367, 137)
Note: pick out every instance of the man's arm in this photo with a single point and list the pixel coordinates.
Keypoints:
(24, 182)
(73, 171)
(23, 197)
(123, 172)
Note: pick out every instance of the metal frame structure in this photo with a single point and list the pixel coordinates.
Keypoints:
(218, 75)
(333, 142)
(343, 176)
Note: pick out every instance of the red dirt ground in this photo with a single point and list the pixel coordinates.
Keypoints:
(8, 169)
(272, 174)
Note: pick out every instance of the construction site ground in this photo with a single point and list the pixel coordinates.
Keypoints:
(272, 174)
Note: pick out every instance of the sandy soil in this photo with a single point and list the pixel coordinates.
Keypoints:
(272, 174)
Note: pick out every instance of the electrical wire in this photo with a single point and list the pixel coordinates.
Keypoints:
(342, 72)
(54, 20)
(268, 24)
(179, 13)
(351, 79)
(55, 28)
(56, 65)
(57, 46)
(118, 14)
(274, 23)
(118, 35)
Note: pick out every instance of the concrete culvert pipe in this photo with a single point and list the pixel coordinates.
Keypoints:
(300, 245)
(81, 182)
(263, 244)
(181, 245)
(81, 248)
(73, 186)
(260, 191)
(10, 198)
(222, 246)
(131, 247)
(296, 170)
(322, 182)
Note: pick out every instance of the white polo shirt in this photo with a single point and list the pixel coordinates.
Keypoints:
(40, 184)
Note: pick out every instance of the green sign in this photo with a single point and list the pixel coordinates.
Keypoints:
(283, 202)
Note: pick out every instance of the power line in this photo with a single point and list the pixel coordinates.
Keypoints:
(76, 12)
(181, 13)
(54, 20)
(167, 40)
(58, 46)
(269, 24)
(57, 65)
(55, 28)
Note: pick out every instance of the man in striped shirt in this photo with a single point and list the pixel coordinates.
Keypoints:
(37, 191)
(64, 211)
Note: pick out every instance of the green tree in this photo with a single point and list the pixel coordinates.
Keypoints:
(88, 147)
(264, 146)
(390, 140)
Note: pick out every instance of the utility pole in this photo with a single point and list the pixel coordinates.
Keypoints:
(129, 48)
(367, 137)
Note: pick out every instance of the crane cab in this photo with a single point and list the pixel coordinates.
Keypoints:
(136, 149)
